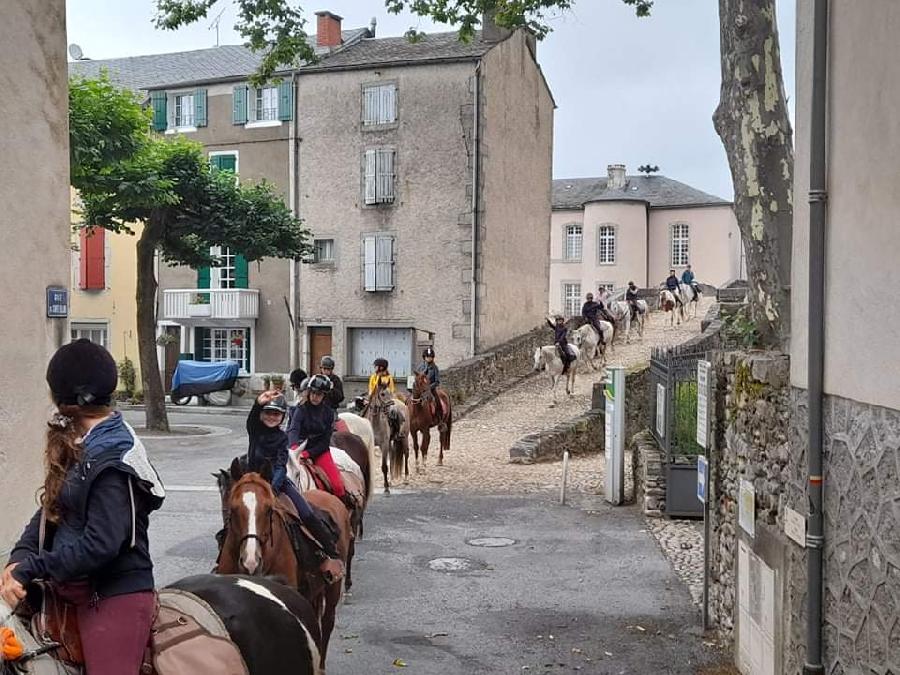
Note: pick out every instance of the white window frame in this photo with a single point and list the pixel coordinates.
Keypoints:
(224, 275)
(171, 101)
(608, 285)
(379, 258)
(260, 113)
(328, 246)
(221, 348)
(607, 243)
(571, 298)
(379, 104)
(83, 329)
(234, 153)
(573, 242)
(680, 244)
(379, 176)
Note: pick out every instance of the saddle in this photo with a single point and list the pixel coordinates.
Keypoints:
(308, 549)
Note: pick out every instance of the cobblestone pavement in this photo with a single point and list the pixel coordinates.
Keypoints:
(682, 543)
(479, 452)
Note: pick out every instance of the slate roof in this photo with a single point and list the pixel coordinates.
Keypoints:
(658, 191)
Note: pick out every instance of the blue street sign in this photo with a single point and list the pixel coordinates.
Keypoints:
(702, 478)
(57, 303)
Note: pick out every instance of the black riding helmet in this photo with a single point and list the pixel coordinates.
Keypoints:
(278, 404)
(297, 376)
(380, 363)
(327, 362)
(320, 383)
(82, 373)
(429, 352)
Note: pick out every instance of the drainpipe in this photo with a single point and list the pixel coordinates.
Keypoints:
(476, 160)
(293, 192)
(815, 538)
(647, 246)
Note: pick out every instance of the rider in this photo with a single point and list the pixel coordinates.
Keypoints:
(561, 340)
(381, 376)
(314, 423)
(590, 310)
(429, 367)
(268, 442)
(336, 395)
(297, 376)
(631, 297)
(99, 490)
(674, 287)
(687, 278)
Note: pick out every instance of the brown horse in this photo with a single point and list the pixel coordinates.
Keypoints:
(423, 416)
(394, 446)
(258, 542)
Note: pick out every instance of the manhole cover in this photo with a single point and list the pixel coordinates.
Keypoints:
(450, 564)
(491, 542)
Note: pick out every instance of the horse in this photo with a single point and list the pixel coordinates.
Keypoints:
(271, 625)
(361, 427)
(422, 417)
(394, 451)
(691, 299)
(668, 303)
(621, 312)
(259, 541)
(547, 358)
(588, 342)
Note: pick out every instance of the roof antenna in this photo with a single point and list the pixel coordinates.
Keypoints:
(646, 169)
(215, 24)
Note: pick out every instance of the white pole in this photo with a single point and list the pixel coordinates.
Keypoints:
(565, 478)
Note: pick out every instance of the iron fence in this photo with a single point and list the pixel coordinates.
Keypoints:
(673, 399)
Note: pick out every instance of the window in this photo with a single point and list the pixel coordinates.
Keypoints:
(184, 110)
(571, 299)
(225, 344)
(98, 333)
(323, 250)
(224, 161)
(266, 107)
(379, 104)
(573, 243)
(378, 263)
(606, 286)
(606, 244)
(92, 259)
(379, 176)
(680, 244)
(225, 275)
(397, 345)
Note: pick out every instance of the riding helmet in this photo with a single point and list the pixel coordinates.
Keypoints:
(380, 363)
(297, 376)
(304, 385)
(429, 352)
(327, 362)
(278, 403)
(82, 373)
(320, 383)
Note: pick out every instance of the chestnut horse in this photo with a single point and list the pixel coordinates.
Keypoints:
(259, 542)
(422, 417)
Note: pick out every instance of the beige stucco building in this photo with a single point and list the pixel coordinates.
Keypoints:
(619, 228)
(35, 162)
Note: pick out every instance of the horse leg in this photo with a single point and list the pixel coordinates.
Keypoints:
(348, 577)
(384, 471)
(326, 624)
(445, 440)
(404, 446)
(415, 437)
(426, 441)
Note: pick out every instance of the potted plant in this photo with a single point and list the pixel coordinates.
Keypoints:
(199, 305)
(277, 382)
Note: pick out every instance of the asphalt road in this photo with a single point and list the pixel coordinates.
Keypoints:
(575, 589)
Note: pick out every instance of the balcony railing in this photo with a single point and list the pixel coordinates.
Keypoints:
(210, 303)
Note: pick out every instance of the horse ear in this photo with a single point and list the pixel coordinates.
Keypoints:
(236, 469)
(266, 471)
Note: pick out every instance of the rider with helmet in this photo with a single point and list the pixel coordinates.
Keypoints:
(631, 297)
(89, 539)
(268, 442)
(687, 278)
(590, 310)
(336, 396)
(674, 287)
(314, 422)
(381, 376)
(561, 340)
(431, 371)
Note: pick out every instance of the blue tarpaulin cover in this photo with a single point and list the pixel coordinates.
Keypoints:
(202, 377)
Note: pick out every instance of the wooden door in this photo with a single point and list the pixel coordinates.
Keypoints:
(173, 348)
(319, 346)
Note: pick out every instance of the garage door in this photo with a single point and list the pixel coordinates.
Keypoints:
(393, 344)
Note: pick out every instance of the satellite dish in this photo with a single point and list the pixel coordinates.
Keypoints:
(75, 52)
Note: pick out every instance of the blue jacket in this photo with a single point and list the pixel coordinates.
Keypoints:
(432, 372)
(687, 277)
(105, 506)
(267, 444)
(313, 424)
(672, 283)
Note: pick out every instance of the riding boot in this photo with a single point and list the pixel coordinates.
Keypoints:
(324, 534)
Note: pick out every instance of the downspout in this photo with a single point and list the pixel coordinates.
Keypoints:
(815, 538)
(647, 246)
(476, 174)
(293, 191)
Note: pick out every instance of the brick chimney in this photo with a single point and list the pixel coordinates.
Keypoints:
(616, 177)
(328, 29)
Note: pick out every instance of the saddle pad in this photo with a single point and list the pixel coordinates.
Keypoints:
(345, 463)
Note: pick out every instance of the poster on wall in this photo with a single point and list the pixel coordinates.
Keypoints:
(660, 410)
(702, 403)
(747, 507)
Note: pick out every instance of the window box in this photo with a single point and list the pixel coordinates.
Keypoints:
(199, 310)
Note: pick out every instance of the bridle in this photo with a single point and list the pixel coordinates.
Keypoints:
(263, 539)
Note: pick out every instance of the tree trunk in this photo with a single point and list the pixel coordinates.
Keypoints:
(154, 396)
(752, 121)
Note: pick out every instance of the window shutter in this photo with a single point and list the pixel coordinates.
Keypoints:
(224, 163)
(241, 272)
(369, 105)
(239, 110)
(385, 184)
(92, 263)
(200, 108)
(158, 104)
(248, 342)
(286, 100)
(203, 277)
(369, 263)
(384, 271)
(200, 334)
(388, 104)
(370, 176)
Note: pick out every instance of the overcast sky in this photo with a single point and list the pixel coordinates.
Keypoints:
(628, 90)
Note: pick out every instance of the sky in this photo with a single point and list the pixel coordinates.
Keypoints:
(629, 91)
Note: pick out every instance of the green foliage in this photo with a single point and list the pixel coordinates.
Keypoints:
(270, 26)
(742, 330)
(127, 376)
(684, 441)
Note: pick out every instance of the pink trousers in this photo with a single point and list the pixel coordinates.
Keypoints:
(115, 632)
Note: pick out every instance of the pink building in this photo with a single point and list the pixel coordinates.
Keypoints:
(612, 230)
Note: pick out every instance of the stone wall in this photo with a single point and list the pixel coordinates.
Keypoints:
(649, 474)
(580, 436)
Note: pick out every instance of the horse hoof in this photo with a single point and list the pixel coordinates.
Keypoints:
(440, 462)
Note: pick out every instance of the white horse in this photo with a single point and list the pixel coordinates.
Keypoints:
(361, 427)
(547, 358)
(668, 303)
(691, 300)
(621, 312)
(589, 343)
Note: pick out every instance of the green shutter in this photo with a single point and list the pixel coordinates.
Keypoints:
(200, 108)
(224, 163)
(286, 100)
(239, 113)
(199, 335)
(203, 277)
(247, 347)
(241, 272)
(158, 104)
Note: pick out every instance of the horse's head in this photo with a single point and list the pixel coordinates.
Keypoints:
(537, 359)
(383, 396)
(421, 385)
(251, 515)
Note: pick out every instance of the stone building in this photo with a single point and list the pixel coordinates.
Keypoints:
(34, 196)
(615, 229)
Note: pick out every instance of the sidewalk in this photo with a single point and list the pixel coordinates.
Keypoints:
(190, 409)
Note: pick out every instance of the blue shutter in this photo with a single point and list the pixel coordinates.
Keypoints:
(286, 100)
(158, 104)
(200, 108)
(239, 112)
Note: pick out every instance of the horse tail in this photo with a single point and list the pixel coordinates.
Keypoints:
(395, 455)
(372, 473)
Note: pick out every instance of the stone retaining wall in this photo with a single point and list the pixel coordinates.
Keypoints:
(648, 471)
(580, 436)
